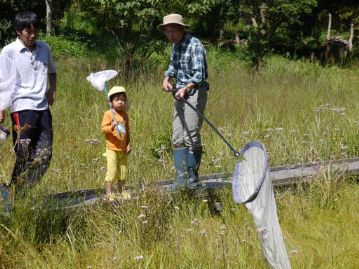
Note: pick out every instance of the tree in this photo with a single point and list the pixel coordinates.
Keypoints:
(8, 11)
(274, 22)
(211, 15)
(49, 29)
(133, 23)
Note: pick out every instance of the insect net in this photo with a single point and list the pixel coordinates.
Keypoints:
(253, 187)
(99, 79)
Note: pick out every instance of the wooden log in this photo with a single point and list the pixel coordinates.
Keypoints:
(286, 175)
(281, 176)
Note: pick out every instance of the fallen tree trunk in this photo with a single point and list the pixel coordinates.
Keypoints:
(280, 176)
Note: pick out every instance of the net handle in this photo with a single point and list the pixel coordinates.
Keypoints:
(235, 152)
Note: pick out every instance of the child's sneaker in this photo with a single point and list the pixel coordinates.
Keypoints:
(111, 197)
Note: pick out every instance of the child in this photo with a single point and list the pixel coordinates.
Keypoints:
(115, 126)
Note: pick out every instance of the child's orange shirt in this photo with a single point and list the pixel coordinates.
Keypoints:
(114, 140)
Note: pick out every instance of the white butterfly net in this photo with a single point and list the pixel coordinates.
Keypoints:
(98, 79)
(8, 76)
(250, 173)
(251, 176)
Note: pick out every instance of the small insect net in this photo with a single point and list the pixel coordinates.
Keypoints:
(99, 79)
(8, 76)
(249, 174)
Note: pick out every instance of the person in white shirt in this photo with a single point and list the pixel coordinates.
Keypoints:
(31, 118)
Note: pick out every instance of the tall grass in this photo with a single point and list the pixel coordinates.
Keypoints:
(300, 111)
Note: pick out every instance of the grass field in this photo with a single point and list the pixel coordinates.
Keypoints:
(300, 111)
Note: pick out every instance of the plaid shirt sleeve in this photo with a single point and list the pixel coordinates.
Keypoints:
(198, 64)
(171, 71)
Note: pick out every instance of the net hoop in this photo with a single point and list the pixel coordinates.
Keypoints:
(241, 175)
(99, 79)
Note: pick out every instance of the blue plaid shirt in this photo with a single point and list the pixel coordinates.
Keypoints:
(188, 62)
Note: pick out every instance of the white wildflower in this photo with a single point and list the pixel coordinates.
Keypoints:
(138, 258)
(194, 222)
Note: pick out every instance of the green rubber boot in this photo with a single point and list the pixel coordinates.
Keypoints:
(194, 161)
(180, 159)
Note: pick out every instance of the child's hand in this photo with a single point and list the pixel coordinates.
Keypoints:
(113, 125)
(128, 149)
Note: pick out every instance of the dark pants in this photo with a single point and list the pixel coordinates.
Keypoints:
(32, 139)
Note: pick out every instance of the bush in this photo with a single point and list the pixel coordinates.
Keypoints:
(5, 32)
(61, 45)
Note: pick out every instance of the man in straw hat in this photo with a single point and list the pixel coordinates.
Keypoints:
(188, 68)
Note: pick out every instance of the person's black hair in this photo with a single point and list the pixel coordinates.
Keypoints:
(118, 94)
(25, 19)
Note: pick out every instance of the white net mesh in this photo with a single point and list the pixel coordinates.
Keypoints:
(99, 79)
(8, 75)
(249, 174)
(252, 185)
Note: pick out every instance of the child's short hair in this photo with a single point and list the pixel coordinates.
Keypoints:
(25, 19)
(115, 91)
(118, 91)
(118, 94)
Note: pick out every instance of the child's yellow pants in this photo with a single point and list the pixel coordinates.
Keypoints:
(116, 165)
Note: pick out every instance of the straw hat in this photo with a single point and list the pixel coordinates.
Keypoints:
(119, 89)
(172, 19)
(116, 89)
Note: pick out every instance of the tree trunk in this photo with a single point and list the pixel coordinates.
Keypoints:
(350, 41)
(221, 34)
(49, 29)
(254, 22)
(237, 39)
(329, 25)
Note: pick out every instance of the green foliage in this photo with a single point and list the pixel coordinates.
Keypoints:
(275, 23)
(82, 45)
(5, 31)
(79, 21)
(133, 23)
(344, 12)
(65, 46)
(160, 146)
(210, 16)
(10, 8)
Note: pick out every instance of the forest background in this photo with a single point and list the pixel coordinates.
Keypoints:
(297, 28)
